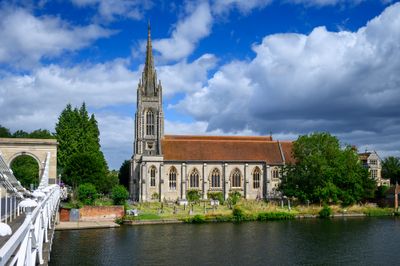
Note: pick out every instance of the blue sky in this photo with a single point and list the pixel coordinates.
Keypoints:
(227, 67)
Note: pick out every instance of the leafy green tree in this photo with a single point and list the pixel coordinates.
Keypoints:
(26, 170)
(79, 139)
(108, 182)
(84, 168)
(391, 169)
(324, 172)
(119, 195)
(124, 173)
(41, 134)
(4, 132)
(87, 193)
(20, 134)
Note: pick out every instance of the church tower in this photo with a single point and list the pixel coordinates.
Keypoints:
(149, 127)
(149, 119)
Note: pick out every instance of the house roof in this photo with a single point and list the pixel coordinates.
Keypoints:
(225, 148)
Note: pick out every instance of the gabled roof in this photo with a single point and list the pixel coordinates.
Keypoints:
(224, 148)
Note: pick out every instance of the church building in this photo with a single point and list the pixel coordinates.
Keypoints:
(166, 167)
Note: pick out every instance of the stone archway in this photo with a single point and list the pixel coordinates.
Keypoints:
(11, 148)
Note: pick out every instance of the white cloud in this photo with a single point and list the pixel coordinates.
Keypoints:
(342, 82)
(244, 6)
(109, 10)
(187, 33)
(116, 138)
(184, 76)
(51, 88)
(26, 39)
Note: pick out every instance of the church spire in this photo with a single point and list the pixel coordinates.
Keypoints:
(149, 75)
(149, 65)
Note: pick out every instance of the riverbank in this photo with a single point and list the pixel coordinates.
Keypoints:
(85, 225)
(158, 213)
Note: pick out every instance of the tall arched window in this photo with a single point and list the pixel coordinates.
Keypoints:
(275, 173)
(215, 178)
(150, 123)
(152, 176)
(256, 178)
(236, 178)
(194, 178)
(172, 178)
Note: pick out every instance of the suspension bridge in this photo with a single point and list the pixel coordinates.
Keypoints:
(27, 218)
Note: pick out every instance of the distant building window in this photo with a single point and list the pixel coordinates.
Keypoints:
(374, 173)
(152, 176)
(215, 178)
(194, 179)
(256, 178)
(172, 178)
(275, 173)
(236, 178)
(150, 123)
(373, 162)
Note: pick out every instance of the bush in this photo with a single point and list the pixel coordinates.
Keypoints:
(233, 198)
(325, 212)
(238, 215)
(155, 196)
(379, 212)
(193, 195)
(273, 216)
(119, 195)
(87, 193)
(216, 196)
(197, 219)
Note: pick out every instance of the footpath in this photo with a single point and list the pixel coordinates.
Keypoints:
(85, 225)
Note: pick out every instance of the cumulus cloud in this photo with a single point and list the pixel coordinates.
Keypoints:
(185, 77)
(109, 10)
(244, 6)
(26, 39)
(342, 82)
(51, 88)
(187, 33)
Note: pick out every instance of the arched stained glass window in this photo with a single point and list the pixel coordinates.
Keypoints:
(236, 178)
(172, 178)
(256, 178)
(150, 123)
(194, 178)
(215, 178)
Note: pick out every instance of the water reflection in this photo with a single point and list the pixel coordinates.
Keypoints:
(356, 241)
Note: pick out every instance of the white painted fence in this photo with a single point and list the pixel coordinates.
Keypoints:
(25, 246)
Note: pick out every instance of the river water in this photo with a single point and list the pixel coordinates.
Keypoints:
(351, 241)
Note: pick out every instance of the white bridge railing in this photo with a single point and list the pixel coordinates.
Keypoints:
(25, 246)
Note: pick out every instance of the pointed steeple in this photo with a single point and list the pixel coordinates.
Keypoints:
(149, 73)
(149, 65)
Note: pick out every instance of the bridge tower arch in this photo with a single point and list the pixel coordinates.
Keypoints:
(11, 148)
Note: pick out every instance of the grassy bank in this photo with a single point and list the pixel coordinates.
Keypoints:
(244, 210)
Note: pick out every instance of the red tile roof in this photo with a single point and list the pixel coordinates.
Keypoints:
(224, 148)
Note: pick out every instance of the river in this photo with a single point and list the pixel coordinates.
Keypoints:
(351, 241)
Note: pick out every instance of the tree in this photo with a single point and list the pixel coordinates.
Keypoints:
(119, 195)
(391, 169)
(84, 168)
(79, 139)
(124, 173)
(87, 193)
(4, 132)
(26, 170)
(41, 134)
(324, 172)
(20, 134)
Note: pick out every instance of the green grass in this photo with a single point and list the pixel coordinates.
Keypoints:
(378, 212)
(273, 216)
